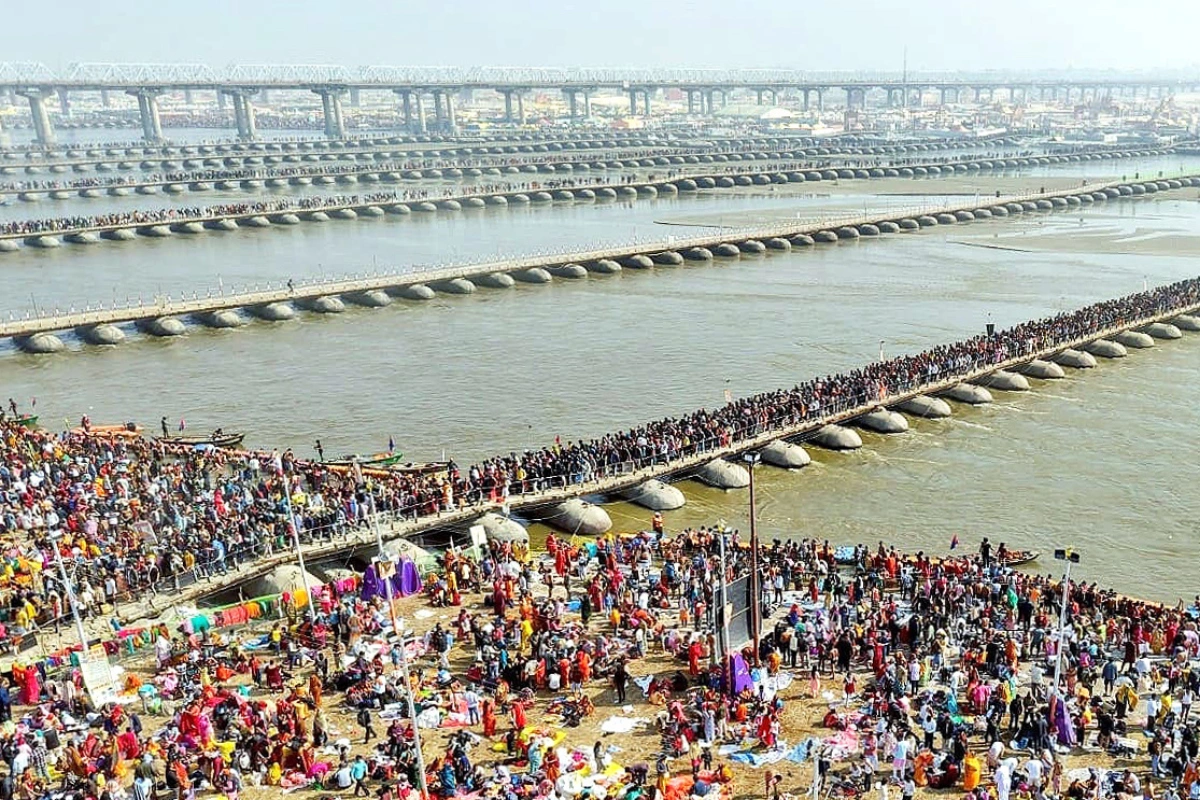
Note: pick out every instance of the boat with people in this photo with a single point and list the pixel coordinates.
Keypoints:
(392, 465)
(27, 420)
(848, 555)
(127, 430)
(218, 439)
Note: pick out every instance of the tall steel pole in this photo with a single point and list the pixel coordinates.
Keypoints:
(287, 496)
(412, 706)
(755, 578)
(1062, 623)
(55, 538)
(723, 633)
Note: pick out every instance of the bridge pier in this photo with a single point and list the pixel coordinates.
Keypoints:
(437, 108)
(405, 97)
(855, 98)
(243, 113)
(41, 120)
(419, 100)
(148, 109)
(105, 100)
(451, 117)
(633, 101)
(331, 107)
(64, 103)
(573, 96)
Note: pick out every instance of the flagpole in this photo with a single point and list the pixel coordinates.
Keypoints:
(287, 497)
(412, 706)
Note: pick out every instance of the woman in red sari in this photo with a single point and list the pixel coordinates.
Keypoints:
(518, 713)
(489, 718)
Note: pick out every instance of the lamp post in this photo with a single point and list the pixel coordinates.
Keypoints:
(295, 530)
(1071, 557)
(755, 579)
(380, 560)
(721, 608)
(55, 537)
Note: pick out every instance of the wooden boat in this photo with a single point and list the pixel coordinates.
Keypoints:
(1015, 558)
(27, 420)
(373, 460)
(219, 440)
(395, 467)
(127, 431)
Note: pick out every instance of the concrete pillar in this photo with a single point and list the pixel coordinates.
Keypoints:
(572, 103)
(422, 125)
(451, 119)
(508, 111)
(41, 120)
(221, 100)
(64, 103)
(708, 99)
(758, 97)
(820, 99)
(187, 96)
(326, 112)
(355, 98)
(249, 130)
(646, 101)
(439, 112)
(587, 103)
(148, 109)
(691, 101)
(520, 107)
(104, 98)
(331, 107)
(408, 111)
(632, 102)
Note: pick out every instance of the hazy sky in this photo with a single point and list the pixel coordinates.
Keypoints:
(796, 34)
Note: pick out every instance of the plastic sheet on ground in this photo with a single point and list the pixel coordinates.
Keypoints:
(759, 759)
(801, 752)
(623, 724)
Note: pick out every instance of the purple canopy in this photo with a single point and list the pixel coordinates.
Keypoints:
(741, 673)
(406, 581)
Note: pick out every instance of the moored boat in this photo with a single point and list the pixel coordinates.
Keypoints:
(128, 430)
(215, 439)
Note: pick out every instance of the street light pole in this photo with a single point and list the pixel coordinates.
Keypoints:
(722, 608)
(1071, 557)
(755, 577)
(55, 537)
(412, 706)
(287, 496)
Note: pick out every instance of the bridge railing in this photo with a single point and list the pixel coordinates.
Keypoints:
(315, 286)
(211, 574)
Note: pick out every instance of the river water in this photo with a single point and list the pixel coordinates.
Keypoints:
(1103, 460)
